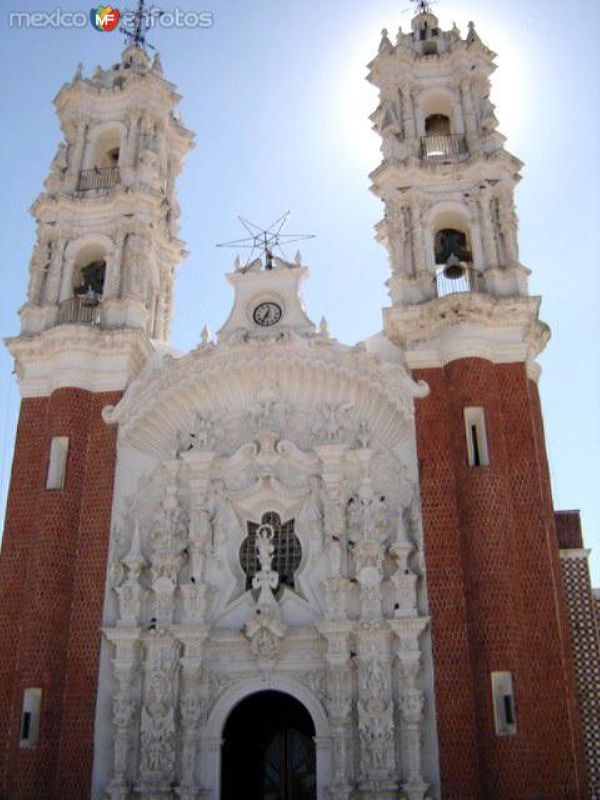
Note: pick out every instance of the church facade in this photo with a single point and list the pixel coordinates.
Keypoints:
(279, 566)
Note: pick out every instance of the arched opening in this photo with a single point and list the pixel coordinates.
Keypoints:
(438, 125)
(441, 127)
(453, 255)
(101, 164)
(268, 750)
(107, 149)
(88, 274)
(451, 242)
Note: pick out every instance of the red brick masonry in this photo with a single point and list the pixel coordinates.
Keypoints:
(495, 590)
(52, 579)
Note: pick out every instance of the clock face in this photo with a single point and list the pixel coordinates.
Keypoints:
(267, 314)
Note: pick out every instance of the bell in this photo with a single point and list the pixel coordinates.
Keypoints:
(90, 298)
(454, 269)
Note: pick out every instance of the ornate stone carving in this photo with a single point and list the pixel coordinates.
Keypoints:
(333, 422)
(158, 733)
(130, 592)
(204, 435)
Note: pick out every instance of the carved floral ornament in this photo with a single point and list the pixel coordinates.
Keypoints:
(312, 376)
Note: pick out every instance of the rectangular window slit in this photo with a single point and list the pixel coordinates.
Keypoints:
(26, 725)
(509, 715)
(503, 697)
(475, 432)
(30, 718)
(57, 464)
(475, 445)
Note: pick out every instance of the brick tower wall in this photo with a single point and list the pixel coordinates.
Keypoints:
(52, 581)
(494, 586)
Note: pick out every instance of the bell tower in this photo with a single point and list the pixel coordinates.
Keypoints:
(461, 312)
(100, 295)
(106, 245)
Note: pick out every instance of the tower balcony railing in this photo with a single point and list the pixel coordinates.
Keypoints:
(444, 147)
(458, 278)
(98, 178)
(79, 309)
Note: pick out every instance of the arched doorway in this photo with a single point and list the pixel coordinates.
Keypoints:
(269, 750)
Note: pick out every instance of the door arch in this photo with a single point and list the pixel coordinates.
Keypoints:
(268, 750)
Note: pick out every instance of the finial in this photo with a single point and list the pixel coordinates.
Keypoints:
(298, 258)
(472, 34)
(98, 72)
(78, 73)
(237, 264)
(157, 63)
(385, 46)
(324, 327)
(205, 336)
(399, 35)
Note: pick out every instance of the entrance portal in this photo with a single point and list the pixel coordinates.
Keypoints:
(269, 750)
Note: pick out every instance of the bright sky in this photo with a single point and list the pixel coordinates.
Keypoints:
(276, 95)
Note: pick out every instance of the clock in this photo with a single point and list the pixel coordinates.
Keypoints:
(267, 314)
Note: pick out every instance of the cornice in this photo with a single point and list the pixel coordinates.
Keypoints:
(422, 174)
(499, 329)
(78, 356)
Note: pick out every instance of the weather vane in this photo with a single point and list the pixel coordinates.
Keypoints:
(422, 6)
(266, 240)
(135, 24)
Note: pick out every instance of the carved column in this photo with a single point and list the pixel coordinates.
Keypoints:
(369, 533)
(124, 706)
(508, 222)
(112, 279)
(470, 115)
(416, 232)
(404, 580)
(37, 270)
(194, 592)
(76, 158)
(375, 713)
(408, 114)
(489, 239)
(55, 271)
(167, 558)
(339, 697)
(337, 586)
(130, 592)
(193, 710)
(411, 702)
(156, 771)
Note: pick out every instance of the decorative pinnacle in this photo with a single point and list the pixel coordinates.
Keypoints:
(135, 24)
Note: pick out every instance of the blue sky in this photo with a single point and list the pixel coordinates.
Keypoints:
(276, 95)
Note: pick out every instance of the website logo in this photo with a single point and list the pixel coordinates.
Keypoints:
(104, 18)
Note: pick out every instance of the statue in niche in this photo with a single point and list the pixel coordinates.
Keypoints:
(266, 580)
(222, 519)
(310, 521)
